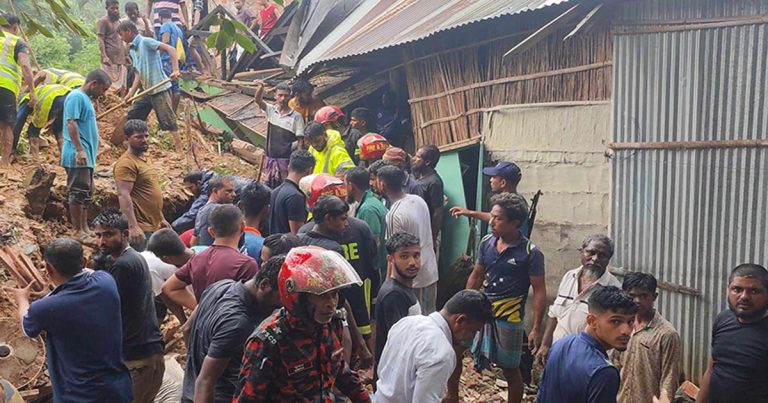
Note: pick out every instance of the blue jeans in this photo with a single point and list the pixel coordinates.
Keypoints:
(22, 113)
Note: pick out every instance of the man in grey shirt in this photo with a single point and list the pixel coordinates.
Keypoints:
(222, 192)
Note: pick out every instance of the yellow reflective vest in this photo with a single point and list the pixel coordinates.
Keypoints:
(333, 156)
(65, 78)
(45, 95)
(10, 69)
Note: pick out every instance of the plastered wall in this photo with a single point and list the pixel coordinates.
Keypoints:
(561, 150)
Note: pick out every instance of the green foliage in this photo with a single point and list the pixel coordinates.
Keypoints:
(87, 59)
(46, 16)
(222, 170)
(81, 55)
(230, 31)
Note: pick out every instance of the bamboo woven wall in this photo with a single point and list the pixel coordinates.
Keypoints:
(449, 90)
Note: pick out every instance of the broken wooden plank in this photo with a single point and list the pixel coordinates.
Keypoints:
(21, 281)
(540, 34)
(247, 151)
(22, 269)
(584, 22)
(31, 267)
(681, 289)
(257, 73)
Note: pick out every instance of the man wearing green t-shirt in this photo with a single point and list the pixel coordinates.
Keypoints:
(371, 210)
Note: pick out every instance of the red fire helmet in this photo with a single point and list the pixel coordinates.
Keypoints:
(372, 146)
(313, 270)
(317, 185)
(329, 113)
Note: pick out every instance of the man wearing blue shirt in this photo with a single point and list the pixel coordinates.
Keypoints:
(81, 146)
(508, 264)
(254, 202)
(145, 55)
(578, 369)
(170, 34)
(81, 318)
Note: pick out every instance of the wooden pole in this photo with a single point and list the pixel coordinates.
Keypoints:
(24, 35)
(137, 96)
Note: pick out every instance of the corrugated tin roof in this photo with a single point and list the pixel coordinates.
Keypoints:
(380, 24)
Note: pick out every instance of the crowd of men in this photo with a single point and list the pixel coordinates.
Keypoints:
(321, 276)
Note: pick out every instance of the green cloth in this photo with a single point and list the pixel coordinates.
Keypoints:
(373, 212)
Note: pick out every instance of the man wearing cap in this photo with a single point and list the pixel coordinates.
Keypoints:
(505, 177)
(399, 158)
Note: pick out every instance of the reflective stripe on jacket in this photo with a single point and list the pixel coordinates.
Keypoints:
(10, 69)
(45, 95)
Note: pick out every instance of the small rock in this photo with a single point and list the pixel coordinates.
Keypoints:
(501, 383)
(30, 248)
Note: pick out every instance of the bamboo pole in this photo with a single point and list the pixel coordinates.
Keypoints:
(24, 35)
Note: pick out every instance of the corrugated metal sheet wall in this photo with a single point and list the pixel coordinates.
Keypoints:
(690, 216)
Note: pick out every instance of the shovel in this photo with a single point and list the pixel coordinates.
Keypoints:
(118, 135)
(133, 98)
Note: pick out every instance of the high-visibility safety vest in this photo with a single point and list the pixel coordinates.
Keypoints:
(65, 78)
(10, 69)
(45, 95)
(333, 156)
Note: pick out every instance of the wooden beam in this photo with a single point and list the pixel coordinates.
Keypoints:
(204, 22)
(584, 22)
(671, 145)
(257, 73)
(273, 54)
(681, 289)
(460, 144)
(541, 33)
(507, 80)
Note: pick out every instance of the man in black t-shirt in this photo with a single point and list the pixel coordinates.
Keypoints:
(225, 317)
(142, 340)
(424, 163)
(738, 365)
(396, 298)
(288, 205)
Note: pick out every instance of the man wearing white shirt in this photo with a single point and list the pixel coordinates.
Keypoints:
(419, 356)
(410, 214)
(568, 313)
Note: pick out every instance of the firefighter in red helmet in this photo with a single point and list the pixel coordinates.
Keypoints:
(295, 355)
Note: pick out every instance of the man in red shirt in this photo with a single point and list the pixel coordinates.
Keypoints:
(268, 16)
(220, 261)
(295, 354)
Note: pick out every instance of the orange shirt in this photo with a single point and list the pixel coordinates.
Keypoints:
(307, 111)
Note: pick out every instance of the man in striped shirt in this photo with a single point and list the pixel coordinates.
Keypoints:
(178, 9)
